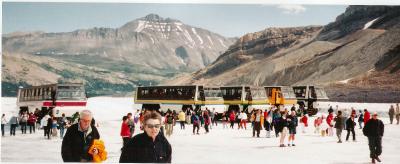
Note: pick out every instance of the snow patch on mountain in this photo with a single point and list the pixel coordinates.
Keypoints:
(209, 38)
(194, 32)
(368, 24)
(222, 43)
(141, 26)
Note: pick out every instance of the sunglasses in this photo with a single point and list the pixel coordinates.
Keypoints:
(150, 126)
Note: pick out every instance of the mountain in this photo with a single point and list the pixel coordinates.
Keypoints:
(355, 55)
(141, 52)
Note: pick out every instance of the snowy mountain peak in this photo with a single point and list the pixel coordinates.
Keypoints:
(153, 17)
(152, 22)
(156, 18)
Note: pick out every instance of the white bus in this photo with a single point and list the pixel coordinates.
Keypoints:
(54, 99)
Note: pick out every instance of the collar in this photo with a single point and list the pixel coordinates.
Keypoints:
(158, 137)
(88, 131)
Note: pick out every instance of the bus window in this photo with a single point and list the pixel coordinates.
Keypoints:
(69, 92)
(269, 91)
(22, 96)
(300, 91)
(288, 93)
(48, 94)
(29, 94)
(40, 95)
(312, 93)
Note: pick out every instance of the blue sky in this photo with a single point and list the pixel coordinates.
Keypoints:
(226, 19)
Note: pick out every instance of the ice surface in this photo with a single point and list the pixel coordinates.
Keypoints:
(218, 146)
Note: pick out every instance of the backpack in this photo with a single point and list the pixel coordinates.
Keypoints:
(24, 118)
(196, 120)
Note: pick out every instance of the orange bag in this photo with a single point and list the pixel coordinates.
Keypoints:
(102, 155)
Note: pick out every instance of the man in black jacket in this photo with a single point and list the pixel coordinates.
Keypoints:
(374, 129)
(150, 146)
(78, 139)
(350, 125)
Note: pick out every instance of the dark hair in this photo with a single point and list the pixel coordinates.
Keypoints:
(339, 112)
(152, 115)
(124, 118)
(129, 114)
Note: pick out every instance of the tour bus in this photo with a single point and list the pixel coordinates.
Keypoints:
(54, 99)
(308, 96)
(226, 98)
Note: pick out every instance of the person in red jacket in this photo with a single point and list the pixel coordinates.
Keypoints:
(31, 122)
(330, 124)
(266, 113)
(232, 118)
(125, 130)
(367, 116)
(304, 121)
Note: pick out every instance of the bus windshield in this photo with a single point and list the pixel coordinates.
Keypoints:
(71, 92)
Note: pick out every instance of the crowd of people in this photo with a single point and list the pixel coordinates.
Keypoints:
(152, 145)
(38, 120)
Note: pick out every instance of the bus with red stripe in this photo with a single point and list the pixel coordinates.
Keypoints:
(54, 99)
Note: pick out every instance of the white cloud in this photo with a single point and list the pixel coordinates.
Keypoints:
(292, 9)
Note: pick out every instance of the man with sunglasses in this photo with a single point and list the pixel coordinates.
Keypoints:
(374, 129)
(150, 146)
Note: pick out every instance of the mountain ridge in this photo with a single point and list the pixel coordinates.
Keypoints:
(150, 48)
(363, 39)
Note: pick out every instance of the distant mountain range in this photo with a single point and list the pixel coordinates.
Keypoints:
(109, 61)
(356, 57)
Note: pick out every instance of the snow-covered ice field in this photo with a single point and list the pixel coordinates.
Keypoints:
(219, 146)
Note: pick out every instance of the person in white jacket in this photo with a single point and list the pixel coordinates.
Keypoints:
(243, 120)
(324, 126)
(43, 123)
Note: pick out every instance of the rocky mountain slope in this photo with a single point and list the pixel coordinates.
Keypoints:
(143, 51)
(358, 52)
